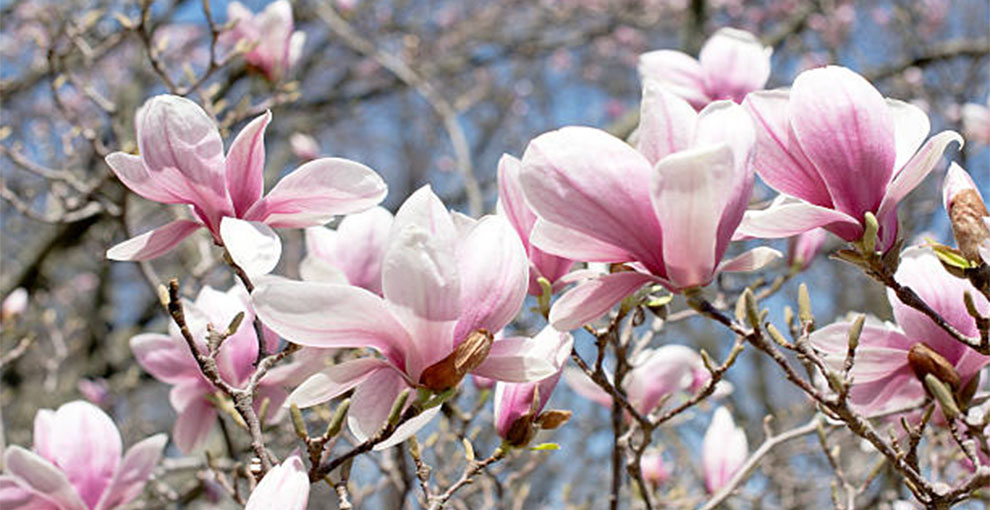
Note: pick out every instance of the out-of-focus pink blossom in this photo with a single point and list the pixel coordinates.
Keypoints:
(512, 204)
(731, 64)
(305, 147)
(835, 149)
(976, 122)
(723, 450)
(182, 162)
(285, 487)
(655, 374)
(95, 391)
(968, 214)
(654, 469)
(168, 359)
(803, 248)
(446, 285)
(518, 405)
(352, 253)
(668, 209)
(76, 463)
(14, 304)
(883, 378)
(276, 47)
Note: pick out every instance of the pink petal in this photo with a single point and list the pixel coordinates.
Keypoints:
(911, 127)
(750, 260)
(591, 299)
(335, 380)
(511, 200)
(666, 123)
(131, 171)
(408, 429)
(574, 245)
(371, 402)
(286, 487)
(778, 157)
(245, 167)
(129, 479)
(329, 315)
(519, 359)
(252, 245)
(735, 63)
(787, 217)
(690, 190)
(916, 169)
(660, 372)
(155, 243)
(165, 358)
(40, 476)
(882, 349)
(956, 181)
(317, 191)
(591, 182)
(513, 400)
(15, 495)
(581, 384)
(677, 72)
(42, 435)
(356, 247)
(89, 465)
(723, 450)
(493, 281)
(846, 129)
(196, 418)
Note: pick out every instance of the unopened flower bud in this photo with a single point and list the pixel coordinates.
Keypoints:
(967, 212)
(448, 372)
(553, 419)
(924, 361)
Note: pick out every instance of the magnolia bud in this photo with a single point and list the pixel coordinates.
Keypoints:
(521, 431)
(448, 372)
(924, 360)
(967, 212)
(553, 419)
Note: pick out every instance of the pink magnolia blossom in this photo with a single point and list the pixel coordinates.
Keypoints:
(835, 149)
(168, 359)
(512, 204)
(95, 391)
(525, 401)
(723, 450)
(655, 375)
(352, 253)
(276, 46)
(182, 162)
(285, 487)
(446, 285)
(883, 379)
(76, 463)
(731, 64)
(803, 248)
(968, 214)
(654, 469)
(976, 122)
(305, 147)
(14, 304)
(669, 209)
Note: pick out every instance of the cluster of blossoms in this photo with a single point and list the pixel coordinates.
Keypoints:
(426, 296)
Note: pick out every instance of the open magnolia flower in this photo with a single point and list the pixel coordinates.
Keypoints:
(168, 359)
(76, 463)
(512, 204)
(723, 450)
(275, 46)
(350, 254)
(892, 360)
(181, 161)
(286, 487)
(656, 374)
(836, 149)
(731, 64)
(669, 209)
(446, 288)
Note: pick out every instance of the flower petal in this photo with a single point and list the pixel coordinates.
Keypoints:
(245, 167)
(196, 418)
(916, 169)
(676, 71)
(155, 243)
(750, 260)
(335, 380)
(911, 127)
(666, 123)
(40, 476)
(735, 63)
(592, 298)
(15, 495)
(286, 487)
(787, 216)
(317, 191)
(165, 358)
(372, 401)
(89, 465)
(129, 479)
(581, 384)
(252, 245)
(131, 171)
(519, 359)
(566, 242)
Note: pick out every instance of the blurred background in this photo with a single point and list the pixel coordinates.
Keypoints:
(425, 92)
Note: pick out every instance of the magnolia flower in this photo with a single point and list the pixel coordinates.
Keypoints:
(304, 146)
(351, 254)
(669, 209)
(893, 359)
(967, 214)
(976, 122)
(803, 248)
(76, 464)
(512, 204)
(285, 487)
(446, 287)
(836, 149)
(656, 374)
(276, 48)
(95, 391)
(731, 64)
(723, 450)
(14, 304)
(519, 406)
(182, 162)
(654, 469)
(168, 359)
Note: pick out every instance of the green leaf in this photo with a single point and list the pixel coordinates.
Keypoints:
(545, 447)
